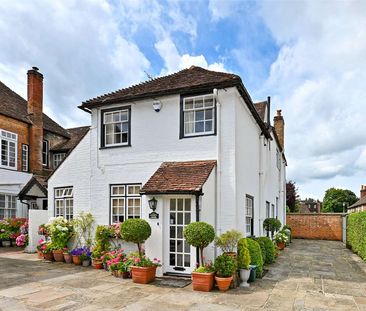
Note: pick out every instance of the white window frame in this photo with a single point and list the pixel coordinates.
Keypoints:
(127, 206)
(194, 109)
(25, 158)
(45, 152)
(114, 123)
(57, 159)
(9, 138)
(64, 202)
(249, 208)
(9, 209)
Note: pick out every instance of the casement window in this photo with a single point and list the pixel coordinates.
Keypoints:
(45, 153)
(8, 206)
(25, 158)
(64, 202)
(272, 211)
(268, 210)
(198, 116)
(116, 127)
(125, 202)
(8, 149)
(249, 230)
(57, 159)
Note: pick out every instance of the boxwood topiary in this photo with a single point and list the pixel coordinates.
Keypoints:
(263, 248)
(199, 234)
(224, 266)
(271, 225)
(243, 256)
(136, 231)
(255, 256)
(270, 249)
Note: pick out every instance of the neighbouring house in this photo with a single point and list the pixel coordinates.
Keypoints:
(32, 146)
(360, 205)
(309, 206)
(190, 146)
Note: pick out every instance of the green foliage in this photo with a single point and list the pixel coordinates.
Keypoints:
(243, 256)
(281, 237)
(286, 227)
(263, 249)
(199, 234)
(207, 268)
(271, 225)
(356, 233)
(83, 225)
(136, 231)
(225, 266)
(228, 241)
(292, 197)
(255, 256)
(334, 199)
(270, 249)
(103, 234)
(60, 231)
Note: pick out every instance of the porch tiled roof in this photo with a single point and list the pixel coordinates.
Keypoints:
(179, 177)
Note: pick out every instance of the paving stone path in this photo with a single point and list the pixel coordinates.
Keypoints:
(308, 275)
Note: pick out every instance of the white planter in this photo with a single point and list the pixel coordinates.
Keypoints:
(244, 276)
(86, 263)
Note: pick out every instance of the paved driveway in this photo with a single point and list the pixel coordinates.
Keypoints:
(309, 275)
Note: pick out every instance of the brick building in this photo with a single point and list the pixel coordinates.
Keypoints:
(360, 205)
(32, 145)
(309, 206)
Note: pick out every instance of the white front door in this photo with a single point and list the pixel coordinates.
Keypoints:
(179, 255)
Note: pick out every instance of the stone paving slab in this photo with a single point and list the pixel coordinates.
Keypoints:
(307, 276)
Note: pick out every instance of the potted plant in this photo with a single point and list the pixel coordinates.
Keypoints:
(228, 241)
(76, 253)
(102, 237)
(67, 255)
(243, 260)
(42, 230)
(225, 267)
(271, 225)
(288, 227)
(200, 235)
(138, 231)
(85, 257)
(47, 249)
(40, 248)
(281, 239)
(5, 238)
(60, 230)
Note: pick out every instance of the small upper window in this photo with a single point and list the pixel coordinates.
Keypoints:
(198, 115)
(57, 159)
(116, 127)
(45, 151)
(8, 149)
(25, 158)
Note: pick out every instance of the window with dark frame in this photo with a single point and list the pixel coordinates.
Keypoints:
(116, 127)
(25, 158)
(125, 202)
(64, 202)
(198, 116)
(45, 152)
(249, 228)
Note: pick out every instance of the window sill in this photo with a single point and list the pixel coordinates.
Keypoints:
(118, 146)
(199, 135)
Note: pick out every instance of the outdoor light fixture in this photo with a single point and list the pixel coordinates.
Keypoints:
(157, 105)
(152, 203)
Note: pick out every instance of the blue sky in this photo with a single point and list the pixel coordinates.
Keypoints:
(309, 56)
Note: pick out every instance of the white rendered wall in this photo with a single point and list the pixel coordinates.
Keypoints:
(36, 218)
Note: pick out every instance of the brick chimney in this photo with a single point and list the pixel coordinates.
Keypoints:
(363, 191)
(279, 125)
(35, 111)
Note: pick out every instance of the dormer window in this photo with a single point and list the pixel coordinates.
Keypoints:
(198, 116)
(116, 127)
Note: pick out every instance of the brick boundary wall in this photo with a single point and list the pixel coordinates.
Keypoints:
(325, 226)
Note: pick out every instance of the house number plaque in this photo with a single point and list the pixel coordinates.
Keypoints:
(154, 215)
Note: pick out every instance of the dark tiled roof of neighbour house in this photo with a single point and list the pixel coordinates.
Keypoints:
(360, 202)
(261, 109)
(15, 106)
(179, 177)
(193, 79)
(76, 135)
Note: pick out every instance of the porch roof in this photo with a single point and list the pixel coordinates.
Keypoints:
(179, 177)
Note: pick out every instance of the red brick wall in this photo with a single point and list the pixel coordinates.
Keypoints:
(316, 226)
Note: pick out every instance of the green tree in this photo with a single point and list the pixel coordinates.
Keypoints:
(292, 197)
(334, 199)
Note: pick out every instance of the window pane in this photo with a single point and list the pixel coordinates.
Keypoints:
(189, 116)
(124, 138)
(189, 128)
(208, 126)
(108, 117)
(208, 114)
(198, 103)
(124, 127)
(199, 127)
(188, 103)
(199, 115)
(116, 116)
(109, 139)
(124, 115)
(208, 102)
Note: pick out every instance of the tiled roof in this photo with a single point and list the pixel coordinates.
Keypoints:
(261, 109)
(189, 79)
(360, 202)
(179, 177)
(76, 134)
(15, 106)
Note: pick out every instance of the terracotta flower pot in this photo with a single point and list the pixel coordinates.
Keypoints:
(39, 254)
(143, 275)
(67, 258)
(98, 264)
(76, 260)
(126, 275)
(203, 281)
(281, 245)
(58, 255)
(48, 256)
(114, 273)
(223, 283)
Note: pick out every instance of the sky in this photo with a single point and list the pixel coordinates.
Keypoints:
(309, 56)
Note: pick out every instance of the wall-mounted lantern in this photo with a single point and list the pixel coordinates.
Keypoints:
(152, 203)
(157, 105)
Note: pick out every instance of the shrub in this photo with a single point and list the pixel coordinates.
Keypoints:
(225, 266)
(243, 256)
(356, 232)
(271, 225)
(200, 235)
(255, 256)
(103, 234)
(61, 231)
(136, 231)
(270, 249)
(228, 241)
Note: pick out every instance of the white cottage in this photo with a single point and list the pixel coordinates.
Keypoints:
(193, 141)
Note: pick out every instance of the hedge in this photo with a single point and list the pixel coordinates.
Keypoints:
(256, 256)
(356, 233)
(263, 248)
(269, 248)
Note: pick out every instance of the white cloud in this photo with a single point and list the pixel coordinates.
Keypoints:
(221, 9)
(318, 81)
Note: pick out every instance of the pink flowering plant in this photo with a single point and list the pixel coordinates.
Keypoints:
(144, 261)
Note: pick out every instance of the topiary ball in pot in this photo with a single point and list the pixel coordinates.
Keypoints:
(135, 231)
(225, 266)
